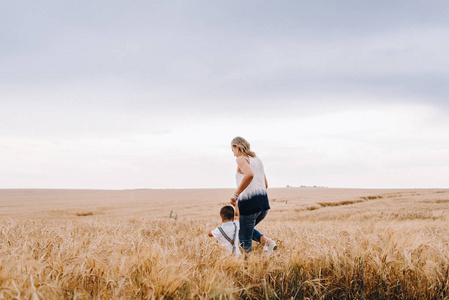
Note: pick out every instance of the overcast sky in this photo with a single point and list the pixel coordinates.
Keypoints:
(149, 94)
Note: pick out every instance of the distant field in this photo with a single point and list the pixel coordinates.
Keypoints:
(133, 244)
(193, 203)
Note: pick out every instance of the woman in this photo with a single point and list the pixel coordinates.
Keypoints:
(250, 195)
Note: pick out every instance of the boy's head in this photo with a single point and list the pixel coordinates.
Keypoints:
(227, 213)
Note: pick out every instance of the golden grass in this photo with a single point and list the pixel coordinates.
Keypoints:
(84, 214)
(339, 203)
(372, 197)
(381, 249)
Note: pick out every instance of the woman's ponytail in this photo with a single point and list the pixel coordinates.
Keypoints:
(243, 145)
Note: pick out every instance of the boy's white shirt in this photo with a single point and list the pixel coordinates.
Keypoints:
(229, 229)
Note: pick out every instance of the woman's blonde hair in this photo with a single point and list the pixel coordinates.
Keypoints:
(243, 145)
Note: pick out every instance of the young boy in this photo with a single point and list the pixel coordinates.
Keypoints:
(228, 233)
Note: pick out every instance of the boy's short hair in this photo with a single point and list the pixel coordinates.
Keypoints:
(227, 212)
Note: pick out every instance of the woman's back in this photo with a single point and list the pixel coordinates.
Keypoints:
(254, 198)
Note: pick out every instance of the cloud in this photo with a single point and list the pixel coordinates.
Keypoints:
(107, 86)
(212, 57)
(70, 113)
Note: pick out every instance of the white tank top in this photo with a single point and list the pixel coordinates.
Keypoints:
(257, 185)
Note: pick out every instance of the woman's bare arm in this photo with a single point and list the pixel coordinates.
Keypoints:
(248, 174)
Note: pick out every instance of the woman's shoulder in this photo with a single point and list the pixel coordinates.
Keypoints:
(242, 159)
(256, 158)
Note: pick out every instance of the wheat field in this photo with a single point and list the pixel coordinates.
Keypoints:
(150, 244)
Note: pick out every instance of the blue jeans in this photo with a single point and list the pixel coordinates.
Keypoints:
(247, 232)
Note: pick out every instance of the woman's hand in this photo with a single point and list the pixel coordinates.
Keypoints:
(234, 200)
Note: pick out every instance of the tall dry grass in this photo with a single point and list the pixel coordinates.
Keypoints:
(379, 249)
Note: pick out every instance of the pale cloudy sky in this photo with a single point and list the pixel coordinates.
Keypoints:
(148, 94)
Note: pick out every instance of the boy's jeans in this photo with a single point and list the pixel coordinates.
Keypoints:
(247, 232)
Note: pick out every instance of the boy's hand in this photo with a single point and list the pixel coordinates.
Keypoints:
(208, 226)
(208, 230)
